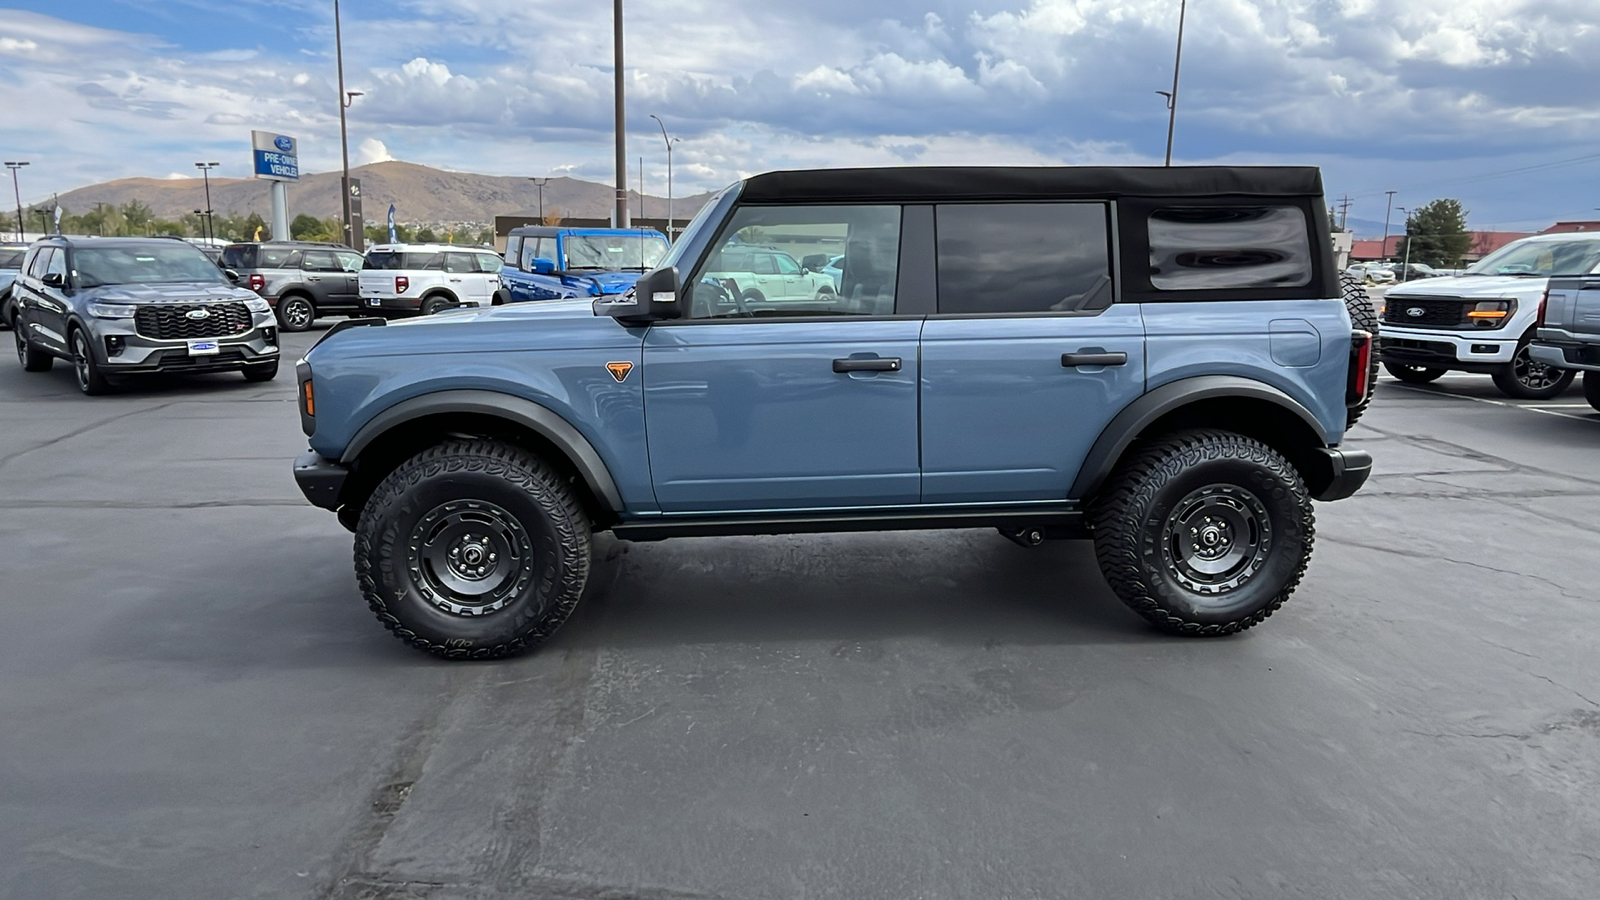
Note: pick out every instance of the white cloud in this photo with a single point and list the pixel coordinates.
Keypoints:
(372, 150)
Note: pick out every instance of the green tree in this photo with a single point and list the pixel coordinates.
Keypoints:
(1436, 235)
(138, 216)
(304, 226)
(426, 236)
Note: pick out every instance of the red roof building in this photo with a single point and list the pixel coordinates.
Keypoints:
(1571, 227)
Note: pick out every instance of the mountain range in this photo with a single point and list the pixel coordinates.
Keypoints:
(420, 194)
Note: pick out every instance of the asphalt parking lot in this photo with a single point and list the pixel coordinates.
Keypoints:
(198, 704)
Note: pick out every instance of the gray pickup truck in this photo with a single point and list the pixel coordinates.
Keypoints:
(1568, 330)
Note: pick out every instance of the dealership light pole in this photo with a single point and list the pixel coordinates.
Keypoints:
(1172, 96)
(669, 141)
(1405, 270)
(1383, 248)
(205, 173)
(622, 137)
(14, 166)
(540, 183)
(345, 98)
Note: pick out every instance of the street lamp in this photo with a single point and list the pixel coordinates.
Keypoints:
(205, 220)
(621, 137)
(205, 173)
(669, 143)
(1405, 265)
(1383, 248)
(345, 99)
(1172, 95)
(14, 166)
(540, 183)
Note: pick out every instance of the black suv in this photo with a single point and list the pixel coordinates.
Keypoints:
(123, 306)
(301, 280)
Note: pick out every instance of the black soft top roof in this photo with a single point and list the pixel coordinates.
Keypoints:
(934, 183)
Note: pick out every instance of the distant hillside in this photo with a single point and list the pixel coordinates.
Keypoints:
(419, 193)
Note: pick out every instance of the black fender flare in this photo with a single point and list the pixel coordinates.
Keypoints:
(1154, 404)
(539, 419)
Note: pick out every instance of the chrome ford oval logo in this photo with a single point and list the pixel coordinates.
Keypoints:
(1415, 311)
(198, 314)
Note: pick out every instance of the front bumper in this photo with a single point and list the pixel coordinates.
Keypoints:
(1463, 351)
(320, 479)
(1336, 474)
(123, 351)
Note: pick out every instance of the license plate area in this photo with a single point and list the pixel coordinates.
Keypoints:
(204, 348)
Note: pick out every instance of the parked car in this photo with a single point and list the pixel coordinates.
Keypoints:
(757, 275)
(1484, 321)
(412, 279)
(547, 262)
(1414, 271)
(10, 265)
(1010, 348)
(123, 306)
(301, 280)
(829, 265)
(1567, 331)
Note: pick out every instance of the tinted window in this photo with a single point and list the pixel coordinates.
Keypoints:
(1021, 257)
(513, 249)
(383, 259)
(319, 261)
(277, 258)
(459, 262)
(57, 264)
(239, 256)
(1212, 248)
(727, 283)
(40, 260)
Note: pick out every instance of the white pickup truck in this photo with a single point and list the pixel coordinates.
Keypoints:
(1568, 330)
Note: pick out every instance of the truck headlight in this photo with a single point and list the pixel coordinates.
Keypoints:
(258, 305)
(111, 310)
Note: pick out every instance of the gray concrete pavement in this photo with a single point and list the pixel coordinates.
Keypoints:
(196, 702)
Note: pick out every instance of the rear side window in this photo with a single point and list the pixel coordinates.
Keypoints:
(458, 263)
(425, 261)
(383, 259)
(277, 258)
(1224, 248)
(1023, 257)
(239, 256)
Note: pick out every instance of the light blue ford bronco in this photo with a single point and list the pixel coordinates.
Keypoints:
(1162, 360)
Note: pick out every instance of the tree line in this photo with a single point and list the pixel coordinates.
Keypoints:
(136, 219)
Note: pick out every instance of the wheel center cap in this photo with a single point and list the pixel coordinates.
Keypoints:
(471, 557)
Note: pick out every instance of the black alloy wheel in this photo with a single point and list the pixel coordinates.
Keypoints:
(436, 304)
(1591, 388)
(1526, 378)
(84, 367)
(1204, 533)
(296, 313)
(1413, 374)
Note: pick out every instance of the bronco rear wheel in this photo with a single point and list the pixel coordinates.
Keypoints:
(1204, 532)
(473, 550)
(1363, 315)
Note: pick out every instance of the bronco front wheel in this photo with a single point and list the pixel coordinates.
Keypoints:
(473, 550)
(1204, 532)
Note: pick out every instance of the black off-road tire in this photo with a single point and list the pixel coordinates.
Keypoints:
(85, 369)
(1363, 316)
(435, 304)
(501, 298)
(1414, 374)
(261, 371)
(1144, 507)
(1591, 388)
(1525, 378)
(511, 500)
(296, 312)
(32, 358)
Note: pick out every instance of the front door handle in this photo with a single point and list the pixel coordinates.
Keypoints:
(1098, 358)
(890, 364)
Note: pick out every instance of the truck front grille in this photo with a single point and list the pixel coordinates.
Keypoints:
(172, 322)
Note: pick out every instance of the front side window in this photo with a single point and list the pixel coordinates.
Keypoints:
(96, 266)
(349, 261)
(750, 271)
(57, 264)
(41, 259)
(1022, 257)
(1229, 247)
(487, 262)
(539, 248)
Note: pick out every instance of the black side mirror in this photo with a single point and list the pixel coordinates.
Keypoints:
(652, 298)
(54, 280)
(231, 275)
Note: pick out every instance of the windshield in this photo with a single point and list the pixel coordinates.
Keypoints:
(614, 252)
(1541, 258)
(11, 259)
(96, 266)
(689, 237)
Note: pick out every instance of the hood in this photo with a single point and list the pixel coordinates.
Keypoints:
(601, 283)
(578, 308)
(515, 327)
(178, 292)
(1485, 286)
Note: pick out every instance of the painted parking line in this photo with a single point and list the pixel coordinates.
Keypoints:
(1549, 409)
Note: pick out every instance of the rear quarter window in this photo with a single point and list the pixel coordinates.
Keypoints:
(1229, 247)
(239, 257)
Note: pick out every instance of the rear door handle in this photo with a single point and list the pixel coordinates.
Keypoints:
(1117, 358)
(890, 364)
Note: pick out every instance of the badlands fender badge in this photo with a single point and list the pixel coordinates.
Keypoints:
(619, 370)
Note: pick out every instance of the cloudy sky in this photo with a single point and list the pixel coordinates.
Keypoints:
(1490, 101)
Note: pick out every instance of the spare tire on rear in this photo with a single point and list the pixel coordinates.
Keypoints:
(1363, 316)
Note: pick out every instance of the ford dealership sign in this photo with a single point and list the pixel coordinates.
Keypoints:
(277, 156)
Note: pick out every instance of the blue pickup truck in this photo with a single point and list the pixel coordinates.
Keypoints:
(549, 262)
(1162, 360)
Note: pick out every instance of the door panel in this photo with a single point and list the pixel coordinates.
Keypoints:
(753, 415)
(1003, 419)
